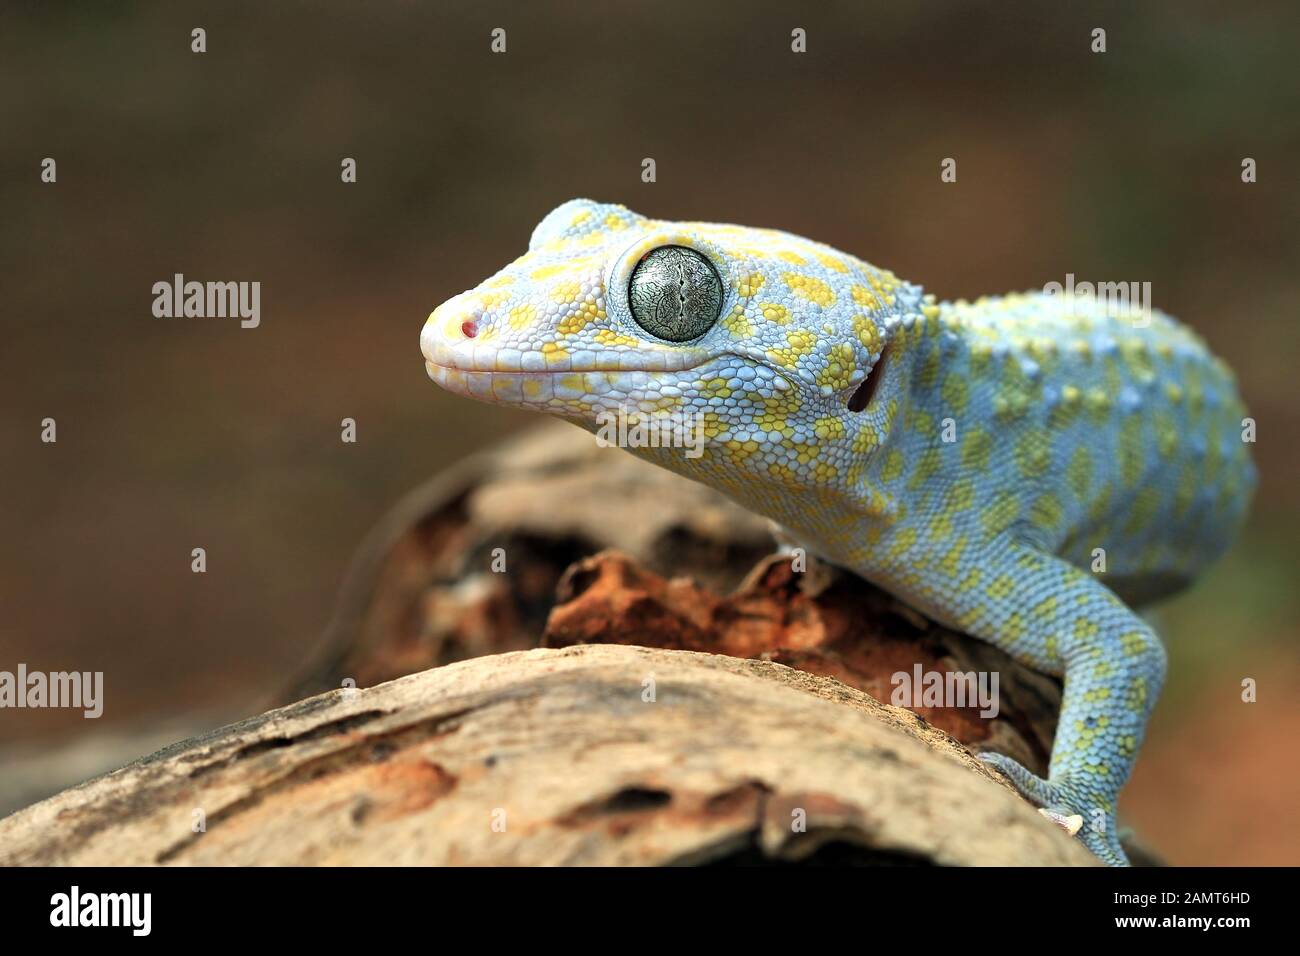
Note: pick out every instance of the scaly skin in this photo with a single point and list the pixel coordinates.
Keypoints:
(1004, 440)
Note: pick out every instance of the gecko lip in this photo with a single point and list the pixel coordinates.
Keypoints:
(522, 388)
(540, 389)
(438, 368)
(468, 357)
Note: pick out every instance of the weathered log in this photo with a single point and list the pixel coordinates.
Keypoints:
(580, 755)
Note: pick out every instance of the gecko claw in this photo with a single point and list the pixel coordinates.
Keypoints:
(1071, 824)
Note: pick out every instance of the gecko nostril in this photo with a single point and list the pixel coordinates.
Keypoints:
(469, 328)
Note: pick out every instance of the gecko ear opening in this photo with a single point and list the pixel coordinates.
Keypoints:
(861, 398)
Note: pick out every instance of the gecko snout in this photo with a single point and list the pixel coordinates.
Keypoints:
(450, 334)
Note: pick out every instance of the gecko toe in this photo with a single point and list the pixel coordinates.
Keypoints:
(1031, 786)
(1074, 808)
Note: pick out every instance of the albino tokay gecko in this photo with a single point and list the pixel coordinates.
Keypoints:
(981, 461)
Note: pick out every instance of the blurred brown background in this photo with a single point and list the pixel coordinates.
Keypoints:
(180, 433)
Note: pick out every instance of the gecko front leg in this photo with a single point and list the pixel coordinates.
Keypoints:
(1055, 618)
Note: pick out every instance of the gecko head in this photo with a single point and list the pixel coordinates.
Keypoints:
(752, 348)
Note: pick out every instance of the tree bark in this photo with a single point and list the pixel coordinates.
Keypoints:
(581, 755)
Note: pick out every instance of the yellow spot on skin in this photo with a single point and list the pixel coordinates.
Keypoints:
(921, 422)
(577, 320)
(1032, 455)
(1079, 472)
(1000, 513)
(741, 450)
(1001, 587)
(610, 337)
(1046, 512)
(783, 473)
(903, 542)
(791, 257)
(970, 619)
(810, 288)
(1017, 393)
(566, 292)
(1098, 404)
(775, 312)
(1068, 408)
(1131, 453)
(839, 367)
(976, 449)
(824, 472)
(715, 388)
(927, 465)
(1137, 359)
(868, 334)
(893, 466)
(451, 323)
(800, 342)
(737, 324)
(775, 412)
(962, 495)
(828, 428)
(867, 439)
(1145, 505)
(865, 297)
(830, 262)
(1166, 434)
(952, 561)
(954, 392)
(751, 284)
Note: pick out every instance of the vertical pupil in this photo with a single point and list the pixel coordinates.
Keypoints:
(674, 293)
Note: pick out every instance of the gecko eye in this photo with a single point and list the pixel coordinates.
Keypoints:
(675, 293)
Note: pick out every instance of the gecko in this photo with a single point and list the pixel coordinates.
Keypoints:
(1026, 468)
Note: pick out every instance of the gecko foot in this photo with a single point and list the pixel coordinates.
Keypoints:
(1076, 809)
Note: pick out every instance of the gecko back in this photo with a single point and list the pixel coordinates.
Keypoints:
(1122, 428)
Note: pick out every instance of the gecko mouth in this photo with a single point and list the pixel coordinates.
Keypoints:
(548, 389)
(515, 362)
(541, 388)
(438, 367)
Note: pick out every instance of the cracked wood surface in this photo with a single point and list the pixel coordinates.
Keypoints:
(553, 756)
